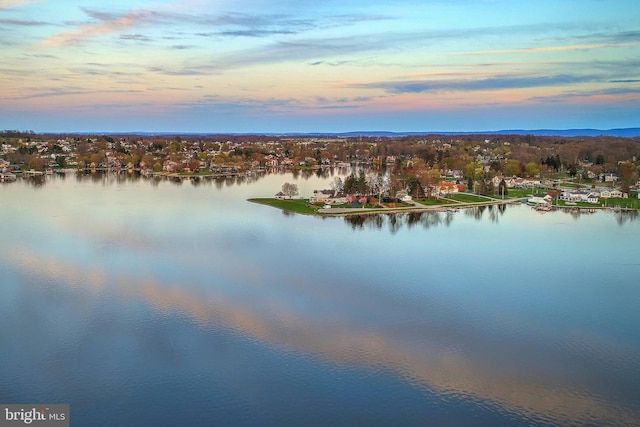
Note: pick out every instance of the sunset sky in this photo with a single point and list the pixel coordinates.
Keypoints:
(318, 66)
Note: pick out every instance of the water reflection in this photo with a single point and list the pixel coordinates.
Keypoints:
(220, 180)
(423, 352)
(397, 221)
(36, 181)
(282, 284)
(475, 213)
(623, 217)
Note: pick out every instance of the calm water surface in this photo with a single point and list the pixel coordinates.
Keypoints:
(157, 303)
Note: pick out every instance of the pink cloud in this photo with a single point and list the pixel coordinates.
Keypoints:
(109, 25)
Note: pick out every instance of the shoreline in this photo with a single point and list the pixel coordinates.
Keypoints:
(417, 208)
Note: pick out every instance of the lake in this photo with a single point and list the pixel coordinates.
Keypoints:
(144, 302)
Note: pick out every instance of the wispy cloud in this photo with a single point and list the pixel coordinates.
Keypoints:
(331, 50)
(71, 91)
(275, 105)
(8, 4)
(109, 24)
(618, 93)
(247, 33)
(180, 71)
(492, 83)
(182, 46)
(23, 22)
(135, 37)
(615, 37)
(550, 49)
(226, 24)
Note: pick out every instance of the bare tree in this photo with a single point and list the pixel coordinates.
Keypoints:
(289, 189)
(384, 185)
(373, 182)
(337, 185)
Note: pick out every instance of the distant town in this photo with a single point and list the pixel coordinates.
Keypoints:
(390, 171)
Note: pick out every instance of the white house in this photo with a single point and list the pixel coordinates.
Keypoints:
(327, 197)
(608, 177)
(404, 196)
(605, 193)
(591, 198)
(571, 196)
(322, 196)
(617, 193)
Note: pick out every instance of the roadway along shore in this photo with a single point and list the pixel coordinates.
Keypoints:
(417, 207)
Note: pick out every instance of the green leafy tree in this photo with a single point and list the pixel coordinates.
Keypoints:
(532, 169)
(473, 170)
(361, 184)
(350, 185)
(513, 168)
(415, 187)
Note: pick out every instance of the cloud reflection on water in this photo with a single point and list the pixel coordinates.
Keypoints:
(421, 357)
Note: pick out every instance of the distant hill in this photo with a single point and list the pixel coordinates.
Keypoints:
(623, 132)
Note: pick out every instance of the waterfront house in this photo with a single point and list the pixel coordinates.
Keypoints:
(321, 196)
(404, 196)
(170, 166)
(591, 198)
(572, 196)
(617, 193)
(328, 197)
(7, 177)
(605, 194)
(271, 161)
(531, 183)
(516, 182)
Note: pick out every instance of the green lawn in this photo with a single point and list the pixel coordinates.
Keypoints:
(631, 202)
(562, 203)
(468, 198)
(432, 202)
(519, 193)
(294, 205)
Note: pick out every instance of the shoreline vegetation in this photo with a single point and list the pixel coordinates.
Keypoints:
(388, 174)
(304, 207)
